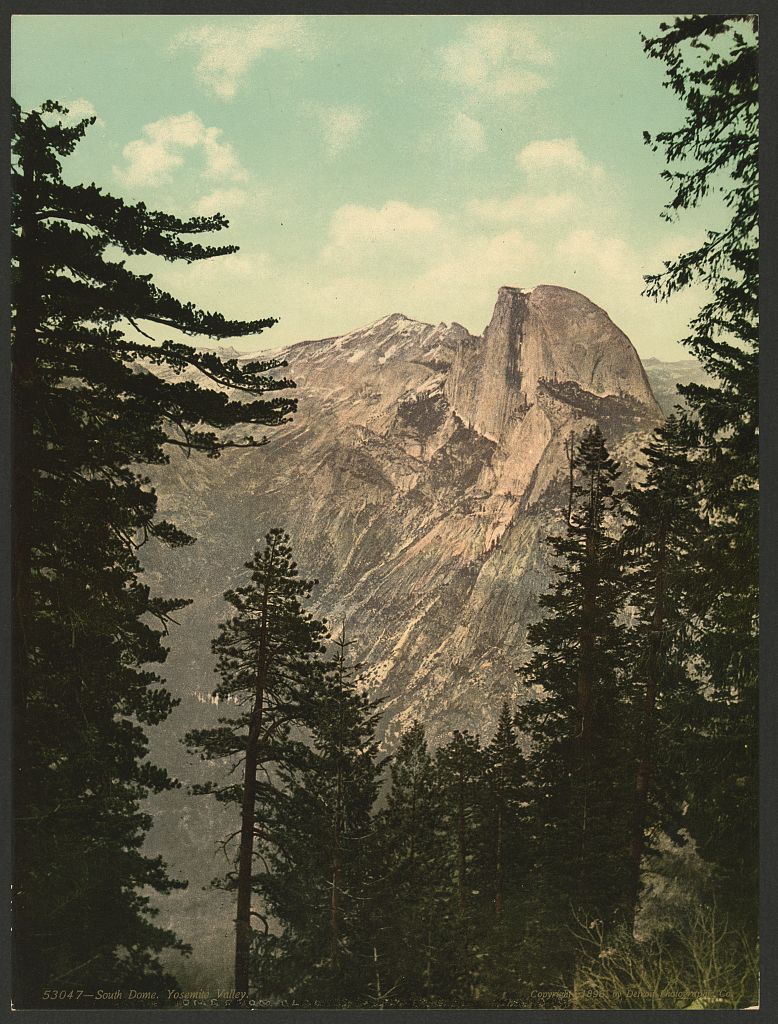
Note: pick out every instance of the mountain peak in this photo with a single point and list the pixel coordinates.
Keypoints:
(548, 333)
(392, 318)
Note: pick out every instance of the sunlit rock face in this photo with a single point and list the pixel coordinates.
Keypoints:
(548, 334)
(418, 481)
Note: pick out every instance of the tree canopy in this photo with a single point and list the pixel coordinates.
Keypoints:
(95, 397)
(711, 63)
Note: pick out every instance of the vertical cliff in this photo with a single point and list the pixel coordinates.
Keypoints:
(548, 334)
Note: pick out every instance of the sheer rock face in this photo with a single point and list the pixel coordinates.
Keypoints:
(417, 481)
(548, 334)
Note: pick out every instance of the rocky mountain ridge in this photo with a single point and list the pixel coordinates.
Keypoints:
(418, 480)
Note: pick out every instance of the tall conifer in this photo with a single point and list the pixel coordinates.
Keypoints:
(661, 534)
(269, 658)
(711, 64)
(317, 870)
(502, 865)
(579, 765)
(460, 768)
(412, 883)
(94, 396)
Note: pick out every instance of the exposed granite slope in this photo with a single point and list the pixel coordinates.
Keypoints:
(417, 481)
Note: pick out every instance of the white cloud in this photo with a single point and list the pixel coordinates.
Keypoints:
(227, 283)
(442, 262)
(220, 159)
(483, 262)
(492, 58)
(221, 200)
(340, 127)
(245, 265)
(226, 52)
(358, 227)
(524, 207)
(609, 270)
(467, 134)
(543, 156)
(609, 256)
(152, 158)
(80, 109)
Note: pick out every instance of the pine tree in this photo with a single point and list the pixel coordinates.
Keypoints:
(711, 64)
(410, 890)
(504, 787)
(661, 534)
(460, 768)
(502, 860)
(579, 765)
(317, 882)
(90, 404)
(269, 659)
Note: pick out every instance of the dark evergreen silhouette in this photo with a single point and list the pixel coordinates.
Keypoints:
(460, 768)
(578, 726)
(502, 869)
(93, 397)
(711, 64)
(316, 866)
(503, 809)
(411, 890)
(662, 529)
(270, 660)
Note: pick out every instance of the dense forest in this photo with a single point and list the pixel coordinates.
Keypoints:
(599, 850)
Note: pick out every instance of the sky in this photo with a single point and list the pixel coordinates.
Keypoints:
(379, 164)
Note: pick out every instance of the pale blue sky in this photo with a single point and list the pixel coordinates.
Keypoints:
(375, 164)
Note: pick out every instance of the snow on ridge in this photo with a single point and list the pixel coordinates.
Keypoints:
(264, 355)
(405, 329)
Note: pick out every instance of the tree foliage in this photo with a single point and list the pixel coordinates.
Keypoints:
(411, 886)
(269, 659)
(577, 718)
(94, 398)
(661, 530)
(319, 873)
(711, 64)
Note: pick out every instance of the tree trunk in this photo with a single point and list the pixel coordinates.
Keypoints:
(585, 682)
(248, 811)
(339, 818)
(585, 695)
(334, 904)
(246, 853)
(379, 997)
(334, 912)
(26, 301)
(26, 324)
(412, 850)
(428, 961)
(589, 609)
(570, 452)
